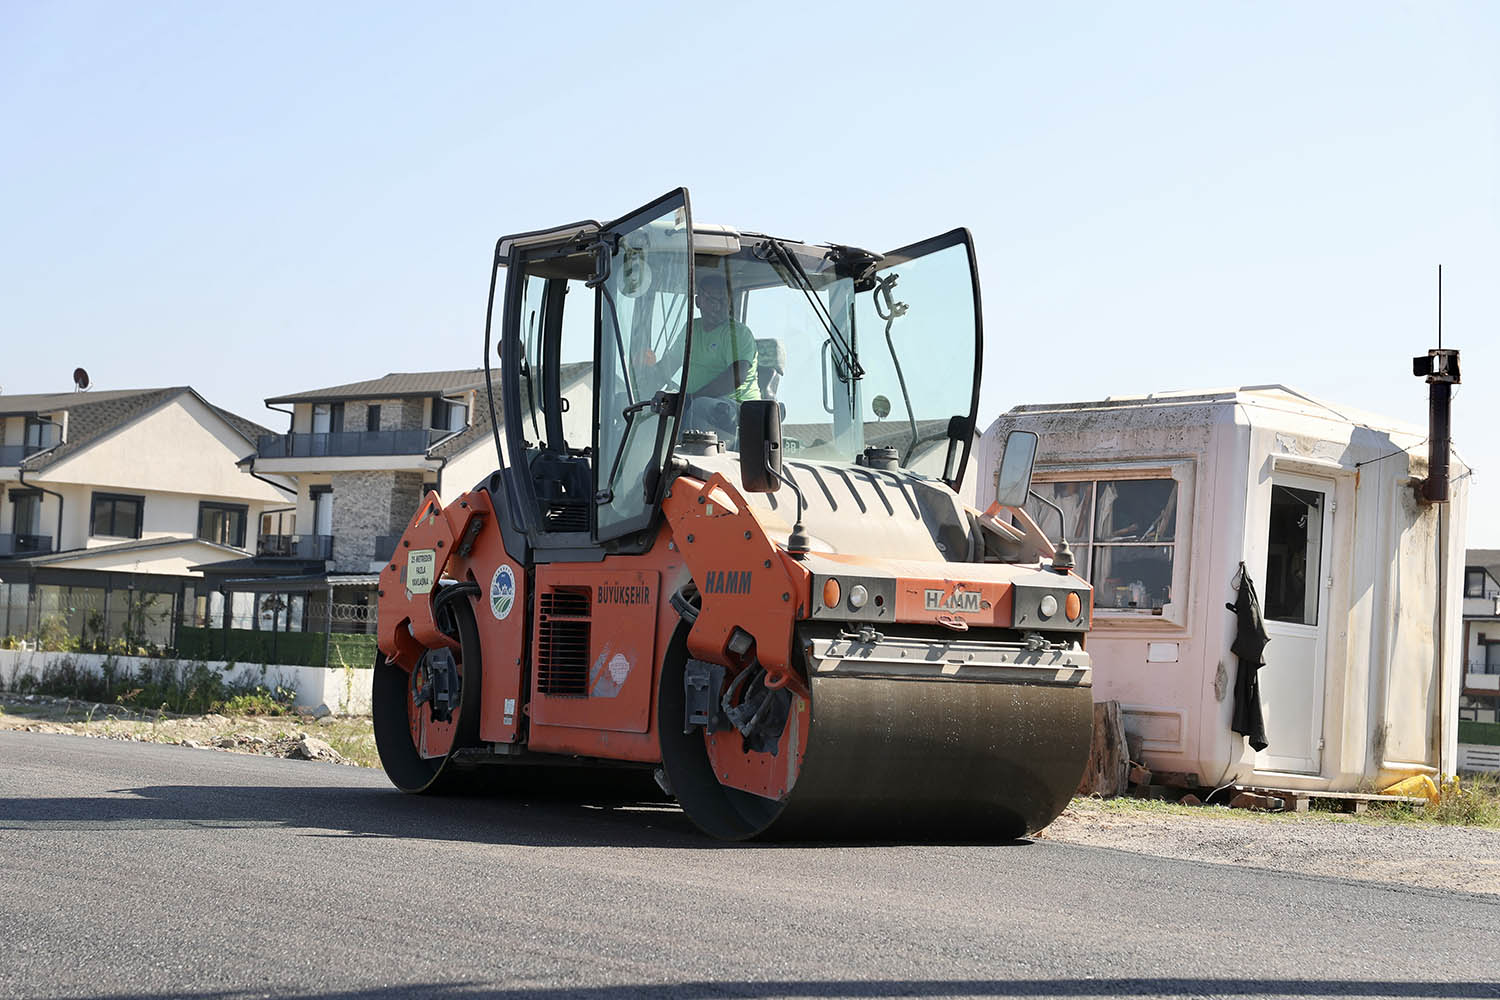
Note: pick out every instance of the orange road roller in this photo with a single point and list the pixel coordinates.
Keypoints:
(725, 544)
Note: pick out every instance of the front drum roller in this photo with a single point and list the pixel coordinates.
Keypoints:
(897, 758)
(416, 749)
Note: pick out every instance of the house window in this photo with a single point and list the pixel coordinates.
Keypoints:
(1123, 533)
(26, 512)
(223, 523)
(40, 434)
(278, 522)
(1492, 657)
(1474, 581)
(448, 415)
(328, 418)
(322, 504)
(116, 515)
(372, 417)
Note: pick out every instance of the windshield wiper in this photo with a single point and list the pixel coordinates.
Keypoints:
(850, 360)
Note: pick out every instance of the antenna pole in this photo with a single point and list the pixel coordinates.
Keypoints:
(1440, 307)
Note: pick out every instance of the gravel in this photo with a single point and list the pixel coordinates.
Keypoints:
(1425, 855)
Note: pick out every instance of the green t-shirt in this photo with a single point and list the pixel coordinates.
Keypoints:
(715, 349)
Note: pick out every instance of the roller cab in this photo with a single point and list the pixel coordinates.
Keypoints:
(725, 545)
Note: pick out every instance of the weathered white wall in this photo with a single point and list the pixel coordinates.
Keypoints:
(1388, 707)
(463, 471)
(340, 691)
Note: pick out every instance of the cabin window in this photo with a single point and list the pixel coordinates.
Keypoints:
(1123, 533)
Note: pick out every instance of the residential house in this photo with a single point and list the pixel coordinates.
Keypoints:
(1479, 702)
(362, 456)
(108, 498)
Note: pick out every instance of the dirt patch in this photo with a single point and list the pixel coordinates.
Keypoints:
(335, 739)
(1427, 855)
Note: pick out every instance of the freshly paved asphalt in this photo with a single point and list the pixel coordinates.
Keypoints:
(137, 870)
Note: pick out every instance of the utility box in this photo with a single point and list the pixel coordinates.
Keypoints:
(1359, 579)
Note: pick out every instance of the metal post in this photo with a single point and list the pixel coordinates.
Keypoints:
(228, 602)
(328, 628)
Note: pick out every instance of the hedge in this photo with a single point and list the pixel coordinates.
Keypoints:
(306, 649)
(1484, 733)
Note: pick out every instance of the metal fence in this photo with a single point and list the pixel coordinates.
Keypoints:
(269, 628)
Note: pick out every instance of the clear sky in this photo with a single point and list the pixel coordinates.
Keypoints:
(261, 198)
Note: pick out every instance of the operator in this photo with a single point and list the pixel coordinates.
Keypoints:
(723, 360)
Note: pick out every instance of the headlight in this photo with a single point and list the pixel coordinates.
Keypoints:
(858, 595)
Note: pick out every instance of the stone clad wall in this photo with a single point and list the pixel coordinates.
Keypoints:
(406, 493)
(367, 505)
(403, 415)
(361, 511)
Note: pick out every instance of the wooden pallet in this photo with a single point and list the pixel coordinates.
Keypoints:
(1298, 799)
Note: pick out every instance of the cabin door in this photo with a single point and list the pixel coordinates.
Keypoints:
(1298, 580)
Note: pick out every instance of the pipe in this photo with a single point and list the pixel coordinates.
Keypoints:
(1444, 527)
(1439, 398)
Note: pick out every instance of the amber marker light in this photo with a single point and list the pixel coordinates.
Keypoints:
(1073, 607)
(830, 593)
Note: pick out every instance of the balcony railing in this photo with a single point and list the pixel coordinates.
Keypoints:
(19, 544)
(1482, 667)
(11, 454)
(346, 444)
(385, 547)
(310, 547)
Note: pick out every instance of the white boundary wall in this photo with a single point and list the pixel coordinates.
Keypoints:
(340, 691)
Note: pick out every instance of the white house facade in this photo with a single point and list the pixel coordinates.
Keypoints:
(109, 498)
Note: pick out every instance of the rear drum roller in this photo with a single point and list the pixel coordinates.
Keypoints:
(416, 745)
(891, 758)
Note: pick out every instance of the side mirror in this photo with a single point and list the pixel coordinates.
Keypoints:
(1013, 485)
(760, 445)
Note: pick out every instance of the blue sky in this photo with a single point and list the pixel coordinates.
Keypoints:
(257, 199)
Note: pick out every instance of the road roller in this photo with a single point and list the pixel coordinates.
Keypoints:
(725, 544)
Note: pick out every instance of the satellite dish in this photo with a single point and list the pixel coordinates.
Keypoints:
(80, 379)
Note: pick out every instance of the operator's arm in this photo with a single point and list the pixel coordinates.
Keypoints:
(727, 381)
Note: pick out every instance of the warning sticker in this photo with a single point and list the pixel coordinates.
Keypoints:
(421, 570)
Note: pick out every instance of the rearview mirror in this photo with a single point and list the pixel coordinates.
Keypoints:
(760, 445)
(1013, 485)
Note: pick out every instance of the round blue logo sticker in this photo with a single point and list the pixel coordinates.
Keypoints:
(502, 592)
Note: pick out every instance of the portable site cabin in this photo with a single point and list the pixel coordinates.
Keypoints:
(1164, 498)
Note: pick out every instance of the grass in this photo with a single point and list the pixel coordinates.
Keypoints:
(1467, 801)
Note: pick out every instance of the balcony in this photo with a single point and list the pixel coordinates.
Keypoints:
(385, 547)
(18, 544)
(309, 547)
(11, 454)
(349, 444)
(1482, 607)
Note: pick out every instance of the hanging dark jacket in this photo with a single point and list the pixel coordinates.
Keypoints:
(1249, 648)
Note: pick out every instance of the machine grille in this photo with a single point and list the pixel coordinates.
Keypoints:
(562, 655)
(567, 515)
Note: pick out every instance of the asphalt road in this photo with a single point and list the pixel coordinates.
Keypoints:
(139, 870)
